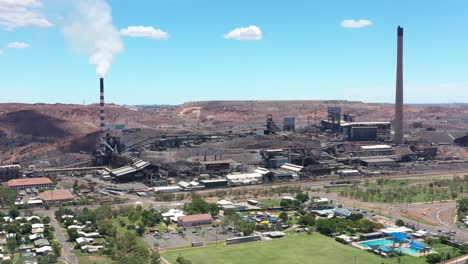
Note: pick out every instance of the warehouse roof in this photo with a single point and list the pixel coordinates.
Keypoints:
(292, 167)
(29, 181)
(378, 160)
(376, 147)
(363, 123)
(207, 162)
(197, 217)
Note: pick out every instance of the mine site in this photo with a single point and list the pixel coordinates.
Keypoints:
(233, 132)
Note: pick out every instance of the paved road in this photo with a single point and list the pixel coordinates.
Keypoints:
(67, 251)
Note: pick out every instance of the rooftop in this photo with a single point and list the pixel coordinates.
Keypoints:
(197, 217)
(376, 147)
(29, 181)
(217, 161)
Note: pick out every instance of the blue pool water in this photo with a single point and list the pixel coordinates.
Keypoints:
(379, 242)
(411, 251)
(384, 242)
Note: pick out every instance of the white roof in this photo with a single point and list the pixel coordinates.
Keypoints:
(321, 200)
(292, 167)
(183, 184)
(34, 226)
(224, 202)
(348, 171)
(44, 249)
(173, 212)
(194, 183)
(243, 176)
(162, 188)
(84, 239)
(400, 229)
(75, 227)
(67, 216)
(261, 170)
(34, 236)
(288, 198)
(32, 217)
(376, 147)
(34, 201)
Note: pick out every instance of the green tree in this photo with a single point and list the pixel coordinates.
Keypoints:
(306, 220)
(155, 258)
(283, 216)
(247, 228)
(433, 258)
(133, 216)
(72, 234)
(106, 228)
(13, 212)
(12, 244)
(46, 220)
(399, 222)
(57, 249)
(302, 197)
(464, 249)
(140, 228)
(355, 217)
(182, 260)
(200, 206)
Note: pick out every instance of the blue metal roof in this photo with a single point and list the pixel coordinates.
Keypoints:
(399, 237)
(417, 245)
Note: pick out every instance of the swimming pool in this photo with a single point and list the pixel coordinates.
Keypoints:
(378, 242)
(384, 242)
(411, 251)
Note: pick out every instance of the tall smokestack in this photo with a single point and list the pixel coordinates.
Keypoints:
(102, 122)
(399, 91)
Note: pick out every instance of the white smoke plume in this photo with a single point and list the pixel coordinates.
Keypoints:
(91, 30)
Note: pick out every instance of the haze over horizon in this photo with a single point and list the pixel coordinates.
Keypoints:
(174, 51)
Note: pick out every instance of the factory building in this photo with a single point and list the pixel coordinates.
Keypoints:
(167, 189)
(376, 150)
(289, 123)
(214, 183)
(216, 166)
(355, 131)
(384, 162)
(130, 172)
(22, 184)
(366, 131)
(238, 179)
(8, 172)
(462, 141)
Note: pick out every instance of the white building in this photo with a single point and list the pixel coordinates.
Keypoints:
(244, 178)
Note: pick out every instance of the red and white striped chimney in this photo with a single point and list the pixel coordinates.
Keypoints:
(102, 123)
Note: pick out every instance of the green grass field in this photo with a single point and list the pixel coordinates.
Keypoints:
(298, 249)
(84, 258)
(266, 203)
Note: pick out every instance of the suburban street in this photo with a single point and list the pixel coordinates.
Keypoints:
(67, 251)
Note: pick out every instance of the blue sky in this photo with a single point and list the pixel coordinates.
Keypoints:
(303, 53)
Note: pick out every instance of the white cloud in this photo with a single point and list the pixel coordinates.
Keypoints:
(18, 45)
(351, 23)
(1, 52)
(245, 33)
(22, 13)
(144, 32)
